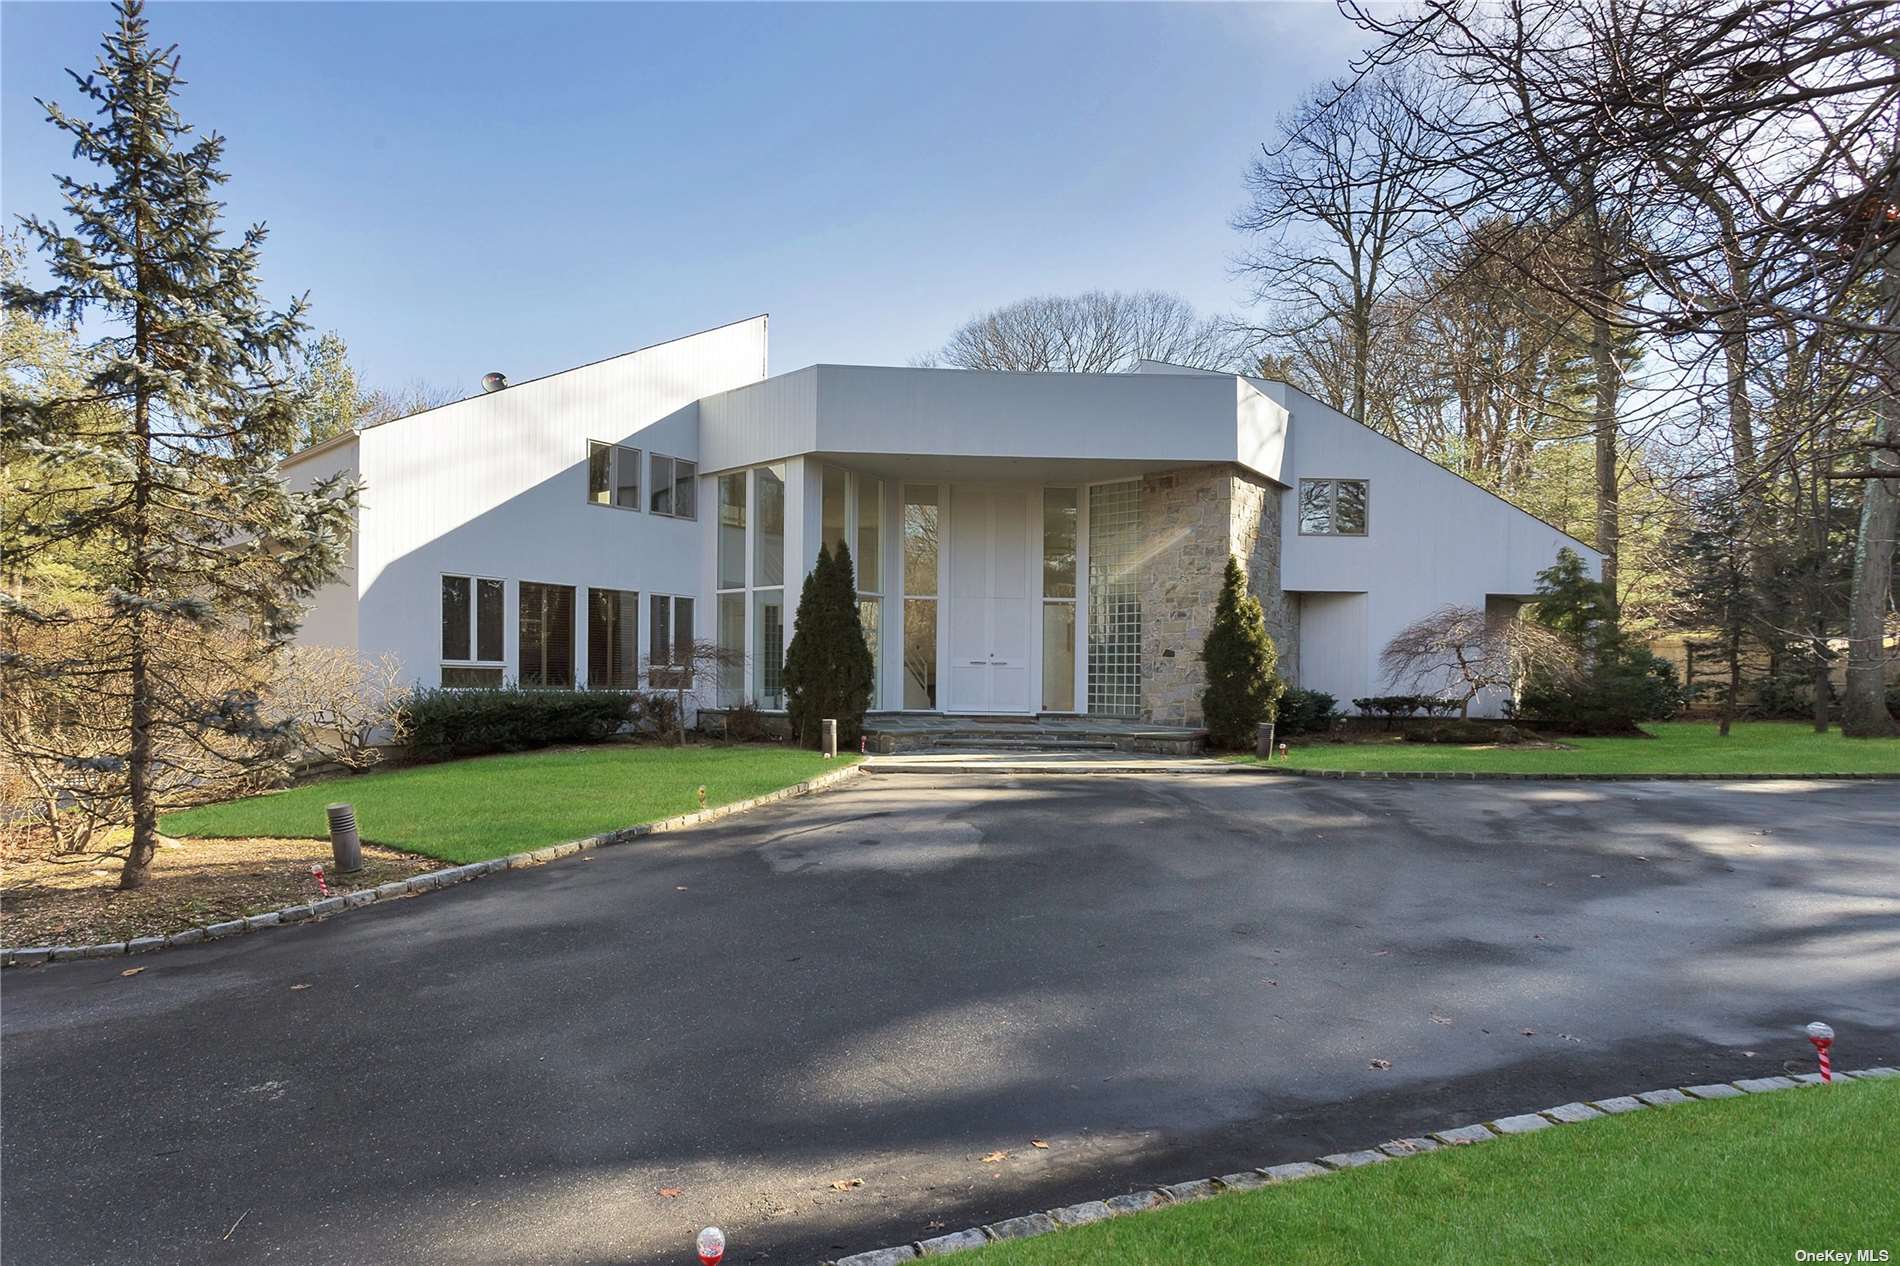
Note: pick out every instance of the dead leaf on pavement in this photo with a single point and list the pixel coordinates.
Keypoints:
(993, 1157)
(131, 971)
(670, 1192)
(1039, 1143)
(1382, 1063)
(1528, 1032)
(1440, 1019)
(294, 988)
(846, 1184)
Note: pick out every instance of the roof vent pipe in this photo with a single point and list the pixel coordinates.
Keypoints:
(494, 382)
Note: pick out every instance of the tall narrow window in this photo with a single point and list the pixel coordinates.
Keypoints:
(768, 563)
(627, 478)
(831, 508)
(685, 488)
(455, 613)
(870, 568)
(546, 635)
(870, 525)
(920, 653)
(732, 530)
(920, 612)
(613, 639)
(662, 485)
(729, 636)
(670, 644)
(600, 472)
(769, 620)
(920, 539)
(1058, 599)
(488, 618)
(871, 618)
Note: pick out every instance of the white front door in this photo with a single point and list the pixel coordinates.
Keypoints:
(988, 600)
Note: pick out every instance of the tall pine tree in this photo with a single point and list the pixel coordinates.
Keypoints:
(212, 557)
(1242, 689)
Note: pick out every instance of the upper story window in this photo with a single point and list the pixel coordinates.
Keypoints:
(673, 483)
(613, 475)
(1333, 507)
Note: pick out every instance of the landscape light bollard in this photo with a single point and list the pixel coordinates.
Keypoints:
(711, 1245)
(828, 737)
(1263, 741)
(1823, 1037)
(345, 845)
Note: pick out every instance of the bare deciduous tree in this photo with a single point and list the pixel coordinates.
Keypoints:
(1460, 652)
(1336, 220)
(345, 707)
(685, 671)
(1100, 332)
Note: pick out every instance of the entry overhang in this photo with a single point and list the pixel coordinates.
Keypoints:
(973, 424)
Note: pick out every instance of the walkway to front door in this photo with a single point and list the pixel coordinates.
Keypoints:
(991, 608)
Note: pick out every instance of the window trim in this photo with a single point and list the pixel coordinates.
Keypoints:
(616, 454)
(1332, 504)
(474, 620)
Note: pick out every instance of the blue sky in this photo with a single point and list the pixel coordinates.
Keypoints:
(525, 187)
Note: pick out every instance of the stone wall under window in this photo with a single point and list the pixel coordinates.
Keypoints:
(1193, 519)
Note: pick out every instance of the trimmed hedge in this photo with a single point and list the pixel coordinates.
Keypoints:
(1306, 712)
(454, 722)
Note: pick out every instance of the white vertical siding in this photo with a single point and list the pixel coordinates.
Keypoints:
(331, 617)
(496, 485)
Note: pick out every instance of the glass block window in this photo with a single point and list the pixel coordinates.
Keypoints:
(1114, 599)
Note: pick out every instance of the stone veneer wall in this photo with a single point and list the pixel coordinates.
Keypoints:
(1192, 520)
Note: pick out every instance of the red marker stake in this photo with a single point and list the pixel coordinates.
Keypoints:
(1823, 1037)
(316, 872)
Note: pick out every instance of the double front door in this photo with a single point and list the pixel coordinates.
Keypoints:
(990, 603)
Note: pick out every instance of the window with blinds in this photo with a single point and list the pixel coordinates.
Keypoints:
(613, 639)
(546, 635)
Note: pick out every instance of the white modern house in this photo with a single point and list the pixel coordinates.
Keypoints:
(1024, 543)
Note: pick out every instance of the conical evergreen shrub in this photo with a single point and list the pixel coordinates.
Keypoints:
(1242, 688)
(828, 664)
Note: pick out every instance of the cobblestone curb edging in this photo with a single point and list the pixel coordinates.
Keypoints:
(428, 881)
(1205, 766)
(1440, 775)
(1397, 1149)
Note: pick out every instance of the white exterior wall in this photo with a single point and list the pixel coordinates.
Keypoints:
(1135, 421)
(496, 486)
(331, 617)
(1433, 540)
(1332, 654)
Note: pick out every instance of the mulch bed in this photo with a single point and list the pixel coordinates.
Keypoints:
(76, 900)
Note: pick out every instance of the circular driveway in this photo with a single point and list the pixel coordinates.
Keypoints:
(1161, 976)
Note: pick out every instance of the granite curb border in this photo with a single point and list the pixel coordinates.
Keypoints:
(428, 881)
(1193, 765)
(1273, 1175)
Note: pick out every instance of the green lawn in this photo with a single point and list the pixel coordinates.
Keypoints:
(469, 810)
(1737, 1180)
(1679, 747)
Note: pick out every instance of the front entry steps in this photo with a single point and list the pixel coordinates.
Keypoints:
(891, 733)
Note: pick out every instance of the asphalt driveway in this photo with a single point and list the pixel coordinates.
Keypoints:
(1161, 976)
